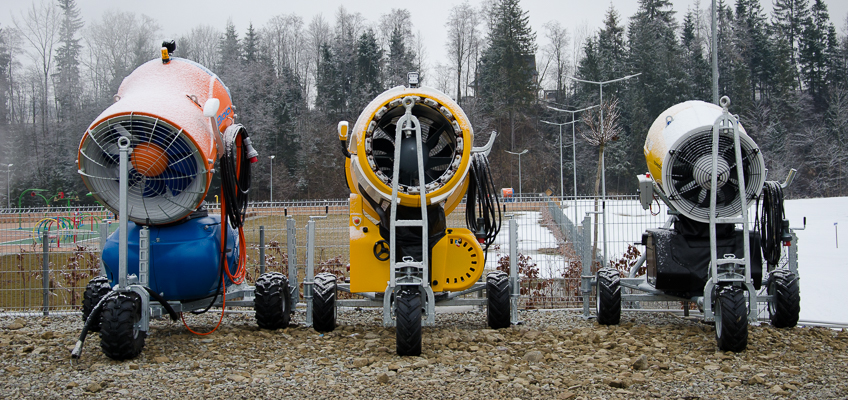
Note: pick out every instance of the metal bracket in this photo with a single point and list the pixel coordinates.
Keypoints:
(487, 148)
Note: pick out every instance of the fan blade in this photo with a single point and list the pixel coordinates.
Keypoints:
(705, 202)
(184, 166)
(438, 161)
(175, 181)
(728, 193)
(433, 138)
(153, 187)
(384, 145)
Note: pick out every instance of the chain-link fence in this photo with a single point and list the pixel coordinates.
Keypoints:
(48, 255)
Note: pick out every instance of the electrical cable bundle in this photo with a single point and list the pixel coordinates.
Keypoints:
(481, 192)
(235, 186)
(771, 223)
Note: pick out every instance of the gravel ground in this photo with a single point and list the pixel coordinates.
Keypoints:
(554, 354)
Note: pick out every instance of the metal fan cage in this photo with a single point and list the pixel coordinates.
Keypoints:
(687, 180)
(440, 134)
(167, 175)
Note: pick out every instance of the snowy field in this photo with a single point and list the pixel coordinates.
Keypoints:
(822, 266)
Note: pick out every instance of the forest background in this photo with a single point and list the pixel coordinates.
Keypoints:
(294, 78)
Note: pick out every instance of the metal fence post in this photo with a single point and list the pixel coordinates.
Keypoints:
(586, 260)
(310, 270)
(261, 249)
(45, 271)
(104, 233)
(291, 239)
(514, 283)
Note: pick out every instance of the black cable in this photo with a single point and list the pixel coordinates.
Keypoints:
(481, 193)
(235, 186)
(94, 316)
(235, 180)
(771, 223)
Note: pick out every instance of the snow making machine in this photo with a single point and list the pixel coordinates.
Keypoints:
(409, 162)
(708, 172)
(150, 158)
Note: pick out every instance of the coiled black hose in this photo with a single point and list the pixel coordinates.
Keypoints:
(235, 180)
(482, 203)
(771, 222)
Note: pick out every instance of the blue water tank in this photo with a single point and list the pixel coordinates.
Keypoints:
(184, 258)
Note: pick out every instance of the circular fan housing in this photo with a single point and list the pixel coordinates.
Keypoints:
(446, 136)
(172, 145)
(678, 151)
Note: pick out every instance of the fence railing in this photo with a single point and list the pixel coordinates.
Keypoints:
(551, 246)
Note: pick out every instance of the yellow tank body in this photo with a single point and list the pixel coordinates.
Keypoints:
(457, 260)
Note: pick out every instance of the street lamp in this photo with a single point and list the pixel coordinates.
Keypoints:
(8, 185)
(603, 172)
(272, 177)
(519, 168)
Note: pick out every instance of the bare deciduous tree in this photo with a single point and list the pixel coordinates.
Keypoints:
(462, 35)
(603, 127)
(40, 28)
(556, 52)
(200, 45)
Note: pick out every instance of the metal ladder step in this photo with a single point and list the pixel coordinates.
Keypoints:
(409, 222)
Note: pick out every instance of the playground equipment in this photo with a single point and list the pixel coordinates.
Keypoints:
(409, 161)
(708, 172)
(150, 157)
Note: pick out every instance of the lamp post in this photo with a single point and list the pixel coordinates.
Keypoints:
(272, 178)
(573, 150)
(519, 168)
(603, 171)
(9, 185)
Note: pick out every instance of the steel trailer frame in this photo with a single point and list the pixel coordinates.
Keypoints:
(717, 276)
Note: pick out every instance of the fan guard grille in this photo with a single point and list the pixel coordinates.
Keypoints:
(440, 135)
(167, 177)
(687, 179)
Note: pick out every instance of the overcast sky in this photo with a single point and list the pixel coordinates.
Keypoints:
(177, 17)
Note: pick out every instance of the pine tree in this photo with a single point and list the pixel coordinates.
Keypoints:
(788, 19)
(695, 65)
(818, 46)
(368, 60)
(612, 47)
(68, 86)
(507, 66)
(752, 41)
(229, 50)
(251, 43)
(5, 59)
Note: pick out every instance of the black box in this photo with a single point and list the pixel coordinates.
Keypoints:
(679, 264)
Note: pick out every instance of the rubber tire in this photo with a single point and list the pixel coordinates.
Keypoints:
(324, 302)
(731, 320)
(497, 292)
(408, 322)
(785, 306)
(608, 297)
(272, 302)
(97, 288)
(118, 339)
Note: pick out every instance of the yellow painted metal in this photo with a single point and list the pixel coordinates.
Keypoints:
(411, 200)
(457, 260)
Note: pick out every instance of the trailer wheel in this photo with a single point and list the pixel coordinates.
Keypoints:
(95, 290)
(272, 303)
(608, 296)
(120, 339)
(731, 319)
(785, 305)
(497, 292)
(324, 302)
(408, 318)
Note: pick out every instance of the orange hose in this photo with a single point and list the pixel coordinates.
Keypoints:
(224, 307)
